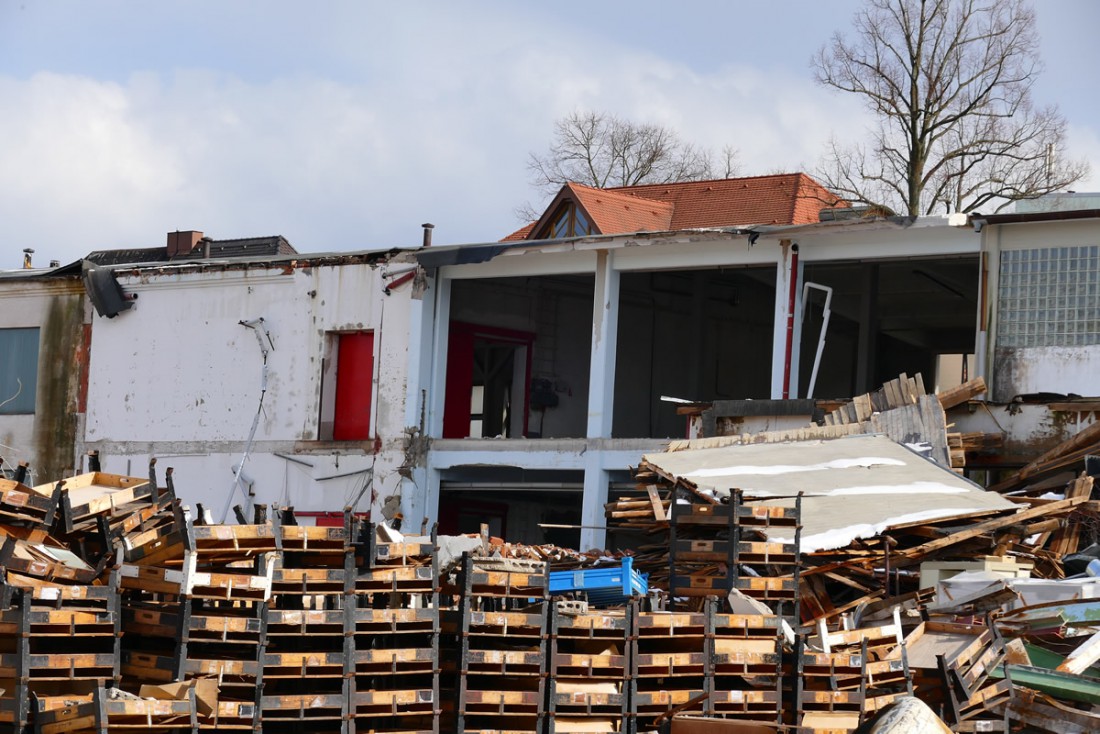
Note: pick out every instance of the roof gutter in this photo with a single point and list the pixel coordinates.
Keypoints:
(478, 253)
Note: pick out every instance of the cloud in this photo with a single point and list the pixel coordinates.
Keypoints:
(431, 121)
(337, 165)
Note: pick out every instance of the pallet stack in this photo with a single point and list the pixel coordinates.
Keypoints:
(668, 664)
(60, 641)
(307, 662)
(845, 676)
(110, 710)
(746, 672)
(588, 669)
(395, 619)
(500, 675)
(205, 619)
(714, 548)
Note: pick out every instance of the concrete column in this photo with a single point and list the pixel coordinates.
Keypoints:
(428, 479)
(605, 326)
(867, 352)
(593, 520)
(437, 374)
(779, 327)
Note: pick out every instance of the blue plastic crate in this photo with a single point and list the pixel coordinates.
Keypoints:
(603, 586)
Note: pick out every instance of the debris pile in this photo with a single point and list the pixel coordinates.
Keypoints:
(811, 580)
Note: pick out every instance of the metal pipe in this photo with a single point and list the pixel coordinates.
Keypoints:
(824, 327)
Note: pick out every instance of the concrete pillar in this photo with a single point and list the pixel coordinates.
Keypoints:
(437, 375)
(867, 351)
(779, 327)
(596, 480)
(605, 326)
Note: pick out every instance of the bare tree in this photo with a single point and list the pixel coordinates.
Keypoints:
(601, 150)
(949, 82)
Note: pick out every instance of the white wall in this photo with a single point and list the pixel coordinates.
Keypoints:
(179, 377)
(1019, 370)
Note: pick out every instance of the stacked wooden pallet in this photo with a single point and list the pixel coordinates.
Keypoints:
(588, 669)
(58, 640)
(500, 674)
(395, 620)
(714, 548)
(203, 615)
(307, 661)
(746, 673)
(844, 676)
(669, 665)
(111, 711)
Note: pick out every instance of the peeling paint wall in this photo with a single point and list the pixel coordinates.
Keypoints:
(1023, 370)
(48, 438)
(178, 377)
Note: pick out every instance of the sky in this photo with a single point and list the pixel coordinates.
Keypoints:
(346, 125)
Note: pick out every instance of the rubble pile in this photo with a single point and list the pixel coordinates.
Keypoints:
(814, 582)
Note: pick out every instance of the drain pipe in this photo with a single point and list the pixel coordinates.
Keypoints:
(791, 300)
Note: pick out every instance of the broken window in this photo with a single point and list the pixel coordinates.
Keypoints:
(18, 370)
(347, 386)
(1048, 297)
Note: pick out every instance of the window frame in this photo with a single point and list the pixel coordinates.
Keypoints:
(19, 396)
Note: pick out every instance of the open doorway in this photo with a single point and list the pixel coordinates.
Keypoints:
(488, 381)
(532, 513)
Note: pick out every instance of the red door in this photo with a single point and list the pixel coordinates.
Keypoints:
(354, 380)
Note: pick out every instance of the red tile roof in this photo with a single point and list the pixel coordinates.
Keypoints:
(789, 198)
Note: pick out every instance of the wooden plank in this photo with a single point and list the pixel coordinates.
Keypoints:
(964, 392)
(655, 500)
(1083, 656)
(1083, 440)
(916, 553)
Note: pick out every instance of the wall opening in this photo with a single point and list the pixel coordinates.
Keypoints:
(696, 335)
(488, 381)
(535, 513)
(518, 356)
(888, 317)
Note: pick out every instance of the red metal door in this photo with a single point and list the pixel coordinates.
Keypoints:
(354, 380)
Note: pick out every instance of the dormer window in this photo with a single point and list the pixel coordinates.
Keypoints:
(570, 222)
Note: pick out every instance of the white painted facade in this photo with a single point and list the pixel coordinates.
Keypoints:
(179, 377)
(1058, 368)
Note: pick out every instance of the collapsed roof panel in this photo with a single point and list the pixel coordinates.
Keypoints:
(853, 487)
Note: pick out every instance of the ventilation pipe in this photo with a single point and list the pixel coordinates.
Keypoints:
(428, 227)
(28, 254)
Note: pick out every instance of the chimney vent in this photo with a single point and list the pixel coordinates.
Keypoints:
(428, 227)
(28, 253)
(182, 243)
(55, 263)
